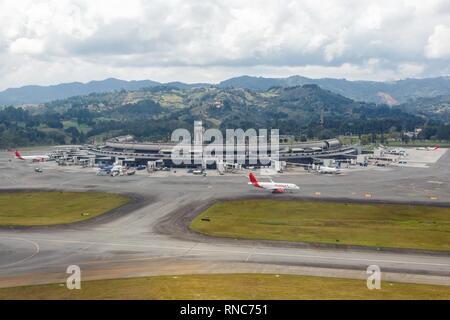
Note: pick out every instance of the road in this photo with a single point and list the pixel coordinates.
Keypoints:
(131, 243)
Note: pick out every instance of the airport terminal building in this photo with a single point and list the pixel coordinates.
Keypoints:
(128, 150)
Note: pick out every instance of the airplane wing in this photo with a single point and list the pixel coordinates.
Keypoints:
(275, 188)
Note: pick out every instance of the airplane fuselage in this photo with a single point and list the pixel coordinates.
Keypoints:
(37, 158)
(323, 169)
(276, 187)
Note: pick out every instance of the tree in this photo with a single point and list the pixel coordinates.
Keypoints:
(443, 132)
(365, 139)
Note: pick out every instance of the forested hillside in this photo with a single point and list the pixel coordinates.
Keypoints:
(153, 113)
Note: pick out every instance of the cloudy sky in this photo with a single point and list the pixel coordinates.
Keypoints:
(53, 41)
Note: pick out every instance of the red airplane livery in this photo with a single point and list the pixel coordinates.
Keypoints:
(32, 158)
(275, 187)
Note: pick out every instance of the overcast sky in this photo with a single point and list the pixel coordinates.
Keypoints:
(49, 42)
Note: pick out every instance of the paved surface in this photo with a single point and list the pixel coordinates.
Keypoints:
(131, 244)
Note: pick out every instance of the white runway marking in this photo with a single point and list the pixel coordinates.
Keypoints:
(36, 247)
(435, 182)
(249, 252)
(356, 259)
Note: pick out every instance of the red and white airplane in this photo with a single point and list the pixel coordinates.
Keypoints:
(275, 187)
(38, 158)
(437, 147)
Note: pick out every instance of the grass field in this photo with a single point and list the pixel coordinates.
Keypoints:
(381, 225)
(47, 208)
(171, 100)
(251, 286)
(349, 140)
(80, 127)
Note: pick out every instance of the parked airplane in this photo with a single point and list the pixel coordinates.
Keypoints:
(32, 158)
(276, 187)
(325, 170)
(117, 170)
(199, 172)
(432, 149)
(428, 148)
(102, 172)
(106, 167)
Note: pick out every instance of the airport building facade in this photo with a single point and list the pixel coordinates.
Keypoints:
(127, 150)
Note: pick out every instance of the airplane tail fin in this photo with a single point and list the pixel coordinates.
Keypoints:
(18, 155)
(437, 147)
(253, 179)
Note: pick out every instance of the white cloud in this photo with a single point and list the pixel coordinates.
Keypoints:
(198, 40)
(439, 43)
(410, 70)
(26, 46)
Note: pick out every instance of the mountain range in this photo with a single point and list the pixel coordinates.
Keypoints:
(391, 93)
(152, 113)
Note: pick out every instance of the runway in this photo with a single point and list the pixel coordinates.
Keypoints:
(132, 244)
